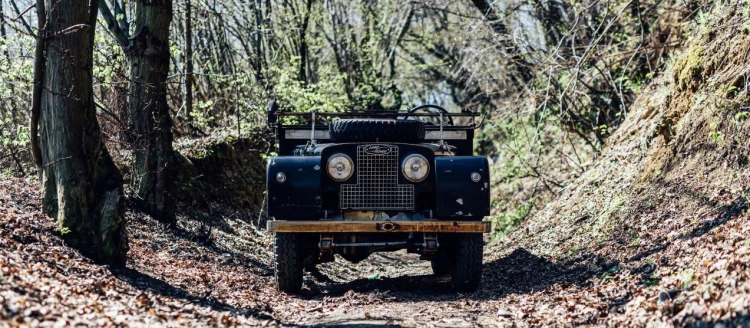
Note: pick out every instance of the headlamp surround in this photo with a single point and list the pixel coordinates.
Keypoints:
(415, 168)
(340, 167)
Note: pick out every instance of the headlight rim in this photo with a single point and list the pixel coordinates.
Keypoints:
(403, 168)
(351, 163)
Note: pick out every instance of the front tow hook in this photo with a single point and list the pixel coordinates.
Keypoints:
(387, 226)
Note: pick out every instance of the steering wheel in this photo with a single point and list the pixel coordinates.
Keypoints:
(427, 107)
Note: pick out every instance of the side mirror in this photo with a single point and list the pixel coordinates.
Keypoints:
(271, 110)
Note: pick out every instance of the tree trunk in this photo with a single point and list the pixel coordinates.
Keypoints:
(6, 52)
(3, 35)
(303, 43)
(120, 103)
(188, 59)
(150, 124)
(36, 96)
(82, 187)
(149, 121)
(518, 58)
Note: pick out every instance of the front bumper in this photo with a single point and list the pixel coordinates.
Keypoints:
(380, 226)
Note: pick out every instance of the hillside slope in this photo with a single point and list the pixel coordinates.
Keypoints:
(663, 212)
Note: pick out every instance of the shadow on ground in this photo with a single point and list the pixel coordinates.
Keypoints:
(204, 239)
(738, 321)
(517, 273)
(156, 286)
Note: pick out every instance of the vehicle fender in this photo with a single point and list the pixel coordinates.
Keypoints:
(298, 197)
(456, 194)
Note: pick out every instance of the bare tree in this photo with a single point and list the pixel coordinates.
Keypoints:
(149, 121)
(188, 57)
(36, 98)
(82, 187)
(523, 67)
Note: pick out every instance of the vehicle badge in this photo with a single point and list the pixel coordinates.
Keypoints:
(377, 150)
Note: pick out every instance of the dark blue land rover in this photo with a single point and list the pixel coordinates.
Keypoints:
(355, 183)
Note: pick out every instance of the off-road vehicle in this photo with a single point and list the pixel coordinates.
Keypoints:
(359, 182)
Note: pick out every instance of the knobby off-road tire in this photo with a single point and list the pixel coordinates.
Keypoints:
(384, 130)
(288, 262)
(467, 270)
(442, 263)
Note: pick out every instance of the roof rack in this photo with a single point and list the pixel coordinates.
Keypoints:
(385, 114)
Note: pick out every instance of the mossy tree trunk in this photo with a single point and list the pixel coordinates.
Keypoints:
(149, 121)
(82, 187)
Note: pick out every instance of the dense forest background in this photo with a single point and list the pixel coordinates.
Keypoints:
(134, 149)
(552, 78)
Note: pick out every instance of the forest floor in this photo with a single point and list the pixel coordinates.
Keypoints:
(656, 232)
(218, 271)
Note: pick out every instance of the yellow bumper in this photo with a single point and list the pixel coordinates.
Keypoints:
(380, 226)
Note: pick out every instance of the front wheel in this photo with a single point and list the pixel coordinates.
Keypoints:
(288, 262)
(467, 269)
(442, 263)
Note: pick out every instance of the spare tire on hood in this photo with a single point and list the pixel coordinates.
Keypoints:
(377, 130)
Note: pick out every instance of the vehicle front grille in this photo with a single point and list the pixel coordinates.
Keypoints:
(377, 185)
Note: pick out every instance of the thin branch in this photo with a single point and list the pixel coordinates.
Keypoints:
(20, 16)
(113, 25)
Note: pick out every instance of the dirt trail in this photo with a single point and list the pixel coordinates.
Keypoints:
(398, 289)
(217, 271)
(519, 288)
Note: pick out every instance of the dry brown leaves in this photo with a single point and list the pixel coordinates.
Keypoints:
(218, 271)
(45, 283)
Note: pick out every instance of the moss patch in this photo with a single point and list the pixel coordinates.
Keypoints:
(687, 70)
(229, 170)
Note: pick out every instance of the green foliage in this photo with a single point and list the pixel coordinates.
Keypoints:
(687, 278)
(540, 133)
(533, 159)
(746, 16)
(325, 96)
(741, 117)
(19, 139)
(609, 274)
(510, 217)
(6, 174)
(604, 220)
(267, 156)
(16, 70)
(651, 280)
(62, 230)
(716, 135)
(199, 117)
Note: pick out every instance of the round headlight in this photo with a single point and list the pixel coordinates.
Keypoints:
(340, 167)
(415, 168)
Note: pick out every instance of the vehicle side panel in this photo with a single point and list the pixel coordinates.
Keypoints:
(297, 198)
(457, 196)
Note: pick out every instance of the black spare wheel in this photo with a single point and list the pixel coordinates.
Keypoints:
(385, 130)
